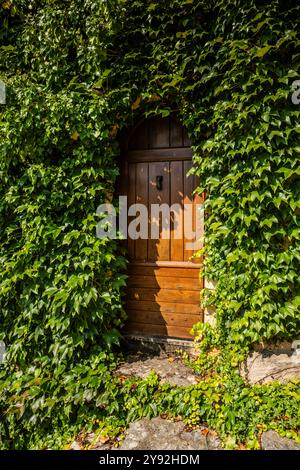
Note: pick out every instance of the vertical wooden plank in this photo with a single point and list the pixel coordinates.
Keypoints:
(198, 201)
(139, 139)
(122, 190)
(186, 139)
(142, 184)
(159, 135)
(123, 179)
(188, 200)
(176, 197)
(176, 133)
(159, 249)
(131, 200)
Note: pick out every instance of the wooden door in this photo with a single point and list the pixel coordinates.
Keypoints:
(163, 293)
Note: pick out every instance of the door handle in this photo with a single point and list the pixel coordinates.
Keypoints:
(159, 182)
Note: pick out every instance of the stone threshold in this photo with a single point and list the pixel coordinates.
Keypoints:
(158, 344)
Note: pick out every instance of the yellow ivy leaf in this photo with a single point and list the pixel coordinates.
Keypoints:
(263, 51)
(6, 5)
(75, 136)
(182, 34)
(152, 6)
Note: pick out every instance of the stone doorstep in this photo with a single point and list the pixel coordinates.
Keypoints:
(159, 344)
(170, 369)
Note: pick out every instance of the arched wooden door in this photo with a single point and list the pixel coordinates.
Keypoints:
(163, 293)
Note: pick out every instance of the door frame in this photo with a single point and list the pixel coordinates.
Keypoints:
(164, 154)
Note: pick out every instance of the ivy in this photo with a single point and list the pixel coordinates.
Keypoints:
(77, 73)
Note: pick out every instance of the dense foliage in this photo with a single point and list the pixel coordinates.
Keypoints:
(77, 72)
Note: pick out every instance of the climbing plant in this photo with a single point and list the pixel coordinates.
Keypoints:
(76, 73)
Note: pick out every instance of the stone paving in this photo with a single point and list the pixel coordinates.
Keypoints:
(169, 368)
(158, 434)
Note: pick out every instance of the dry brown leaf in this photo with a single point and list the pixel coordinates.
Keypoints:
(214, 352)
(122, 378)
(177, 419)
(154, 98)
(134, 387)
(242, 447)
(103, 439)
(114, 130)
(136, 103)
(188, 428)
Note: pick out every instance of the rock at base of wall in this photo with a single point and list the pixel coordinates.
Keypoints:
(266, 366)
(270, 440)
